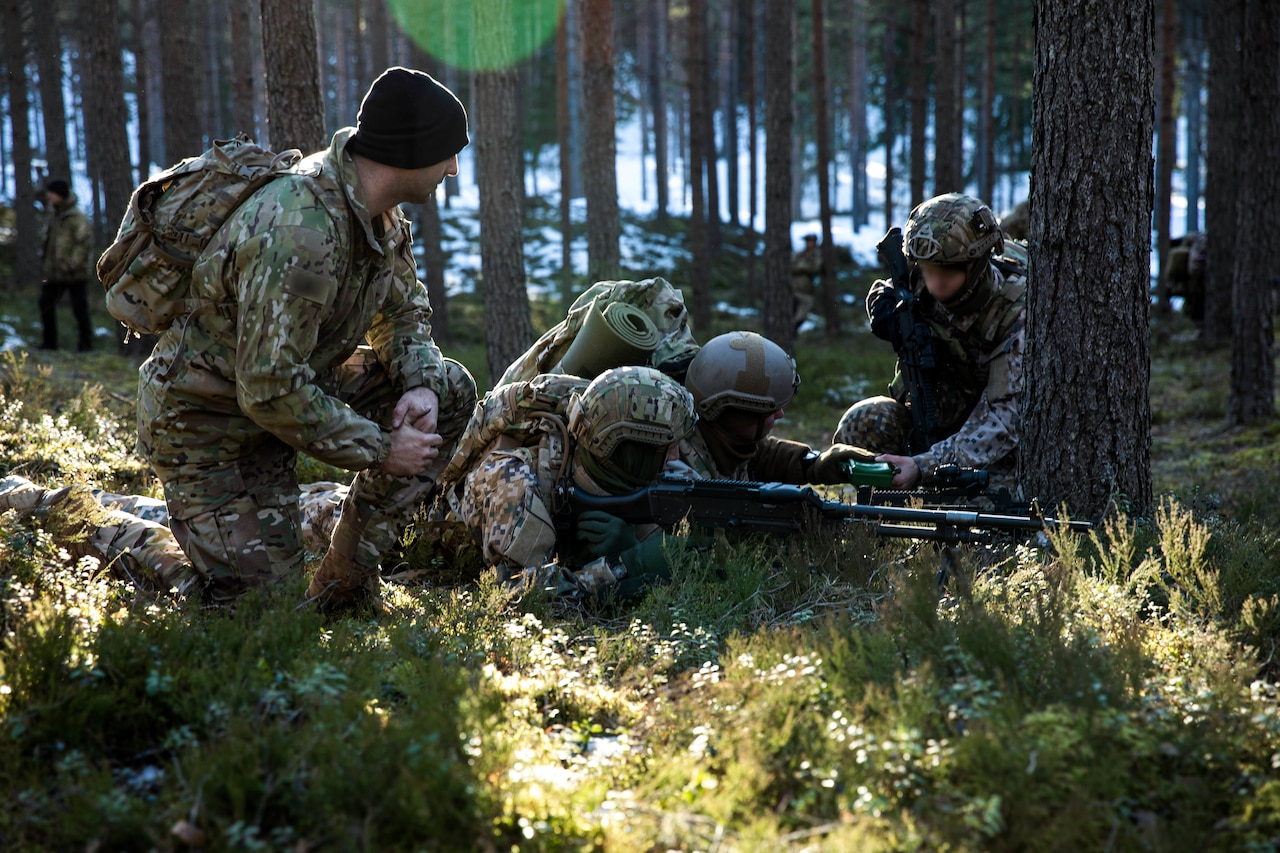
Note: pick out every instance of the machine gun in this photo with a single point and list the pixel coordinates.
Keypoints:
(781, 509)
(952, 486)
(913, 341)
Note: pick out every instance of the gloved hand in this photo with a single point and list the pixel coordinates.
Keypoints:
(827, 470)
(605, 535)
(647, 559)
(882, 308)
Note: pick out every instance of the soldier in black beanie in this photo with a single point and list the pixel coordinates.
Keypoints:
(318, 342)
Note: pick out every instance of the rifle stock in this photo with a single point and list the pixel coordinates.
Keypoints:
(780, 509)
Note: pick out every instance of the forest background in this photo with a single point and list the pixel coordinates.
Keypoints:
(1112, 695)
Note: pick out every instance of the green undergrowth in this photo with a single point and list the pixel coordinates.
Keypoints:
(1115, 691)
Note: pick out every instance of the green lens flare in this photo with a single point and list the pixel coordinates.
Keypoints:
(480, 35)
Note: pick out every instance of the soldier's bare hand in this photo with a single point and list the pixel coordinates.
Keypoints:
(419, 408)
(908, 475)
(411, 451)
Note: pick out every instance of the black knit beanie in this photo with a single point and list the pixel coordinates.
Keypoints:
(409, 120)
(58, 186)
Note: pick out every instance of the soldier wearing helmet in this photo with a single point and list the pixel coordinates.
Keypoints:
(974, 302)
(741, 383)
(621, 430)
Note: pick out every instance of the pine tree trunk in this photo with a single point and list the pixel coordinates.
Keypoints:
(1222, 162)
(1087, 412)
(918, 98)
(564, 139)
(729, 110)
(822, 133)
(243, 114)
(47, 44)
(26, 269)
(295, 111)
(1192, 87)
(658, 106)
(1253, 380)
(986, 121)
(180, 69)
(778, 120)
(858, 143)
(892, 96)
(699, 244)
(142, 77)
(948, 92)
(1165, 132)
(599, 174)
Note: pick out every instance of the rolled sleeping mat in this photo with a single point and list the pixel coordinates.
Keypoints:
(615, 335)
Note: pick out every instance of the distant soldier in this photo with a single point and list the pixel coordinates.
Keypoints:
(67, 240)
(806, 271)
(1016, 224)
(974, 305)
(1186, 273)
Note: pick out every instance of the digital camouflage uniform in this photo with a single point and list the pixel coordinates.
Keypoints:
(68, 237)
(311, 325)
(978, 344)
(507, 498)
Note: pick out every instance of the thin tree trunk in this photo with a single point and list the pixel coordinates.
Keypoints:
(779, 119)
(564, 138)
(919, 99)
(1087, 410)
(600, 176)
(26, 268)
(753, 154)
(47, 43)
(1222, 174)
(729, 111)
(1164, 153)
(658, 105)
(142, 77)
(243, 115)
(986, 128)
(892, 95)
(947, 92)
(1253, 379)
(858, 143)
(1192, 87)
(830, 305)
(710, 165)
(699, 243)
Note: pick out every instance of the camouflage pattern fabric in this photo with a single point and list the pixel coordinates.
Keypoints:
(979, 383)
(663, 303)
(67, 238)
(1017, 222)
(311, 324)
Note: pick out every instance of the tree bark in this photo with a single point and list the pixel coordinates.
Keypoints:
(948, 95)
(986, 123)
(1087, 411)
(243, 113)
(26, 268)
(729, 110)
(600, 172)
(699, 243)
(47, 42)
(1222, 166)
(142, 77)
(1253, 381)
(918, 98)
(822, 133)
(658, 106)
(508, 326)
(564, 139)
(295, 111)
(778, 120)
(181, 92)
(859, 205)
(1192, 88)
(1164, 154)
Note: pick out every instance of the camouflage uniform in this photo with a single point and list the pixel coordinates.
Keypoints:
(978, 344)
(806, 267)
(508, 498)
(273, 362)
(65, 267)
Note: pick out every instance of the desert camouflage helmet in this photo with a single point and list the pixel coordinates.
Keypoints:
(952, 229)
(630, 404)
(741, 370)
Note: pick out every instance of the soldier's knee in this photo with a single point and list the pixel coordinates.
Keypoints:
(879, 424)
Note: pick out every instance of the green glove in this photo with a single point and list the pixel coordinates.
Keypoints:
(828, 468)
(605, 535)
(647, 559)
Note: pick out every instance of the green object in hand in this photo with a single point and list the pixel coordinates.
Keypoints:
(877, 474)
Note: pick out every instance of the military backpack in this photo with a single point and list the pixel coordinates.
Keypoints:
(171, 218)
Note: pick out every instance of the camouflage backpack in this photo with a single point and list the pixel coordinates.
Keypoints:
(171, 218)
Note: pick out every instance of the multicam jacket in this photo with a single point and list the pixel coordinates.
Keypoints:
(290, 286)
(67, 238)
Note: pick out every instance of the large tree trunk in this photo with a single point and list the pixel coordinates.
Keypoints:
(600, 172)
(47, 42)
(243, 38)
(778, 122)
(295, 111)
(1253, 379)
(1222, 162)
(1164, 153)
(26, 269)
(142, 77)
(181, 92)
(699, 244)
(508, 327)
(1087, 412)
(822, 133)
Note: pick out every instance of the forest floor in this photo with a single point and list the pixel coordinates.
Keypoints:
(1115, 691)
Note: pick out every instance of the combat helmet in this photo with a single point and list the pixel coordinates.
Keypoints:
(625, 421)
(741, 370)
(952, 229)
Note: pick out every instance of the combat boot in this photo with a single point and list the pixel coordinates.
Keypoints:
(338, 582)
(20, 494)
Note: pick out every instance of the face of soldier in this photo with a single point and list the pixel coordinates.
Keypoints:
(426, 180)
(744, 428)
(942, 282)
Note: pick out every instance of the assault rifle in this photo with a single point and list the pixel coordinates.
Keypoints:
(779, 508)
(952, 486)
(914, 347)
